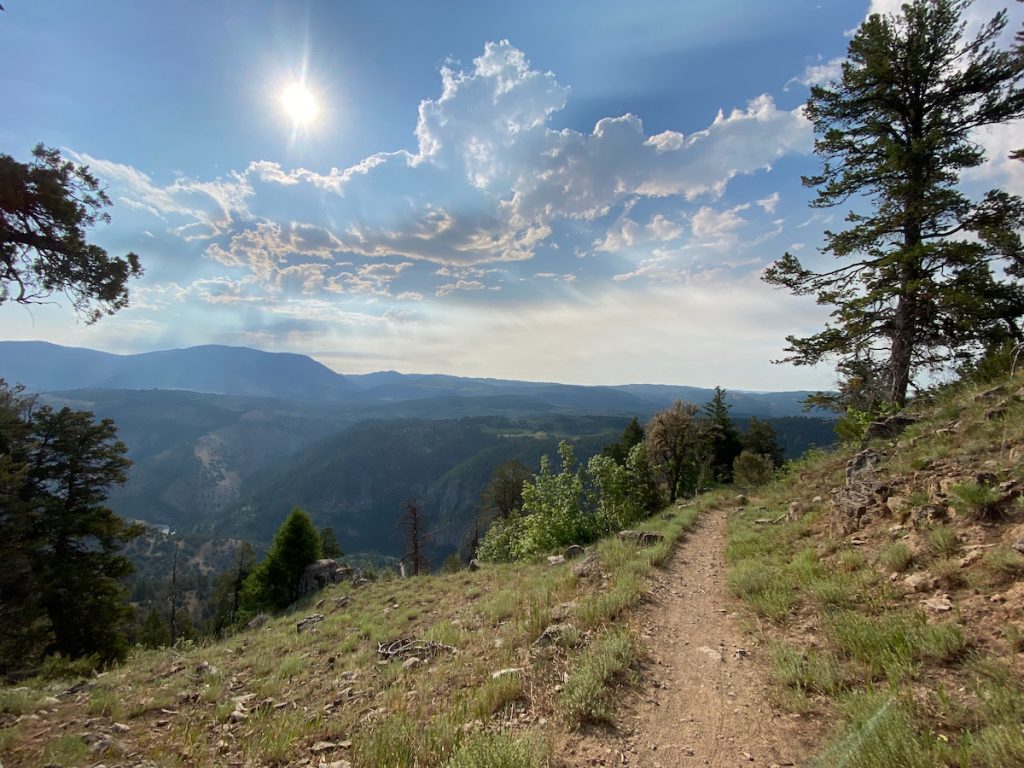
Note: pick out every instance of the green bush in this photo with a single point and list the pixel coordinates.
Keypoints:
(273, 585)
(750, 470)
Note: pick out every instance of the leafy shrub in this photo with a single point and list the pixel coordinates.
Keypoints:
(750, 470)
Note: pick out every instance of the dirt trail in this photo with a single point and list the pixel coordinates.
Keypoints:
(703, 701)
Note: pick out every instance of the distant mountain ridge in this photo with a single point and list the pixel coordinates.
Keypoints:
(242, 371)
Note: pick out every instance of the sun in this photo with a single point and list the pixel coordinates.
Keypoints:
(299, 104)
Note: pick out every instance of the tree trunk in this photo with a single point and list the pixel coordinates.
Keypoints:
(902, 351)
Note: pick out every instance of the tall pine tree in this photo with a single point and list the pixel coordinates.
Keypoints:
(920, 283)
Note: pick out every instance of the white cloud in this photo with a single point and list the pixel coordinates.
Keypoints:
(488, 183)
(626, 233)
(769, 203)
(819, 72)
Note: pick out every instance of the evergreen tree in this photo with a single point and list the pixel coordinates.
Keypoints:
(503, 495)
(227, 597)
(760, 439)
(632, 435)
(725, 440)
(329, 546)
(60, 545)
(155, 632)
(413, 520)
(916, 289)
(45, 208)
(273, 585)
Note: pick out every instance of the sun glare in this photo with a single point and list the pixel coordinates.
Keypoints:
(299, 103)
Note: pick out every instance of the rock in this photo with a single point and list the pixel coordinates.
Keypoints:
(796, 511)
(1019, 545)
(323, 746)
(817, 500)
(996, 413)
(308, 623)
(864, 490)
(341, 602)
(120, 728)
(573, 551)
(323, 573)
(939, 604)
(997, 599)
(257, 621)
(586, 567)
(506, 671)
(238, 716)
(475, 565)
(990, 394)
(712, 653)
(556, 559)
(412, 661)
(971, 558)
(742, 500)
(337, 764)
(643, 538)
(919, 582)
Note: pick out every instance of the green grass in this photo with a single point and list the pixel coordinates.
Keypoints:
(66, 750)
(808, 671)
(610, 660)
(496, 694)
(897, 557)
(500, 750)
(1003, 565)
(892, 645)
(20, 701)
(979, 501)
(943, 541)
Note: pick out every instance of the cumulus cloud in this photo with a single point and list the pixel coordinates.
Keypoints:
(490, 181)
(819, 72)
(627, 233)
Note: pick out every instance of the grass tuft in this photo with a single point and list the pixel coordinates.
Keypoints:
(610, 660)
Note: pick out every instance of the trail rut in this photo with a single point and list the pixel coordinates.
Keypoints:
(703, 700)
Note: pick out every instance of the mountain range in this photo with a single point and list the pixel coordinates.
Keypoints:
(241, 371)
(225, 440)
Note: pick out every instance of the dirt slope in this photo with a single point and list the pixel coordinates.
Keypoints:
(703, 700)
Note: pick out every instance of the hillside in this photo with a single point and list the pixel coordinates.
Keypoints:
(865, 608)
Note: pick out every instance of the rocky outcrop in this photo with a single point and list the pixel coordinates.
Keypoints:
(863, 491)
(323, 573)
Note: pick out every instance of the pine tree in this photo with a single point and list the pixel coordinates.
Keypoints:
(917, 289)
(725, 439)
(61, 566)
(329, 546)
(273, 585)
(632, 435)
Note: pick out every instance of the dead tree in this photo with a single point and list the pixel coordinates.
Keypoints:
(414, 522)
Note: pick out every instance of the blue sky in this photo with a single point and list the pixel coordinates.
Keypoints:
(583, 192)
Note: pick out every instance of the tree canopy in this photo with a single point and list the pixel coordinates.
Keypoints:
(60, 545)
(927, 276)
(46, 206)
(273, 585)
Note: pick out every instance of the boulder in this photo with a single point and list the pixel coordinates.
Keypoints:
(474, 565)
(643, 538)
(323, 573)
(573, 551)
(556, 560)
(864, 490)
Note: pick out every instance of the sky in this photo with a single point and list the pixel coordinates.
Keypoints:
(577, 191)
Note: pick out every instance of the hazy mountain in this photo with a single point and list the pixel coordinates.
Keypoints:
(249, 372)
(212, 368)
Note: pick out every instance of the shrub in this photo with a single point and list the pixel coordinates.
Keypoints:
(750, 470)
(897, 557)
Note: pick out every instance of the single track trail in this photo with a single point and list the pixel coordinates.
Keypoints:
(704, 696)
